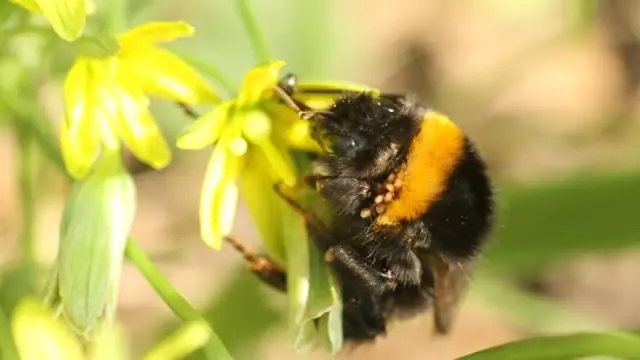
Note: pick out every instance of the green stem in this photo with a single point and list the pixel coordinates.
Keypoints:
(8, 348)
(116, 16)
(24, 114)
(27, 198)
(211, 71)
(180, 306)
(250, 23)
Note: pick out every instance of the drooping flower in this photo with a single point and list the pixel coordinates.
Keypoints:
(107, 97)
(253, 121)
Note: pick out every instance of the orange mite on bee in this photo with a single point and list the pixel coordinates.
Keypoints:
(412, 206)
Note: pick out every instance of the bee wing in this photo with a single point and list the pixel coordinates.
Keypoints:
(451, 281)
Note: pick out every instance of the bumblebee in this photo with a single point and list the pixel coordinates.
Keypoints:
(412, 207)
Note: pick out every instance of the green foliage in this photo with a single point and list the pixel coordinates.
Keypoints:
(617, 345)
(541, 224)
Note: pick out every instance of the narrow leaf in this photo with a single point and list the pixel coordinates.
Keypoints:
(572, 346)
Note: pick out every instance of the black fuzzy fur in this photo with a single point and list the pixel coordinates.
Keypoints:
(383, 271)
(398, 284)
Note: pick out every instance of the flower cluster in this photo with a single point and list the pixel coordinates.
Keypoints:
(253, 121)
(107, 93)
(107, 98)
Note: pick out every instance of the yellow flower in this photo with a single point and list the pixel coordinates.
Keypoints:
(254, 120)
(39, 334)
(256, 140)
(107, 98)
(238, 126)
(67, 17)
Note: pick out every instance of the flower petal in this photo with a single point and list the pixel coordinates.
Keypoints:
(219, 196)
(30, 5)
(80, 132)
(107, 100)
(67, 17)
(162, 73)
(259, 83)
(289, 128)
(138, 130)
(298, 136)
(34, 323)
(155, 32)
(257, 129)
(272, 216)
(205, 130)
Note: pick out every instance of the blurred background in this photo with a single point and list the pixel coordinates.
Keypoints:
(548, 89)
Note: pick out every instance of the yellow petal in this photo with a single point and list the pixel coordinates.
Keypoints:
(257, 129)
(39, 335)
(187, 339)
(205, 130)
(259, 83)
(107, 100)
(162, 73)
(155, 32)
(226, 206)
(289, 128)
(219, 196)
(80, 132)
(138, 130)
(67, 17)
(256, 125)
(298, 135)
(30, 5)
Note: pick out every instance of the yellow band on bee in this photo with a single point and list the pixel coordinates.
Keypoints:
(435, 152)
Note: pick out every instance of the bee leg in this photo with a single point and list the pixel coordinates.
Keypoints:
(262, 266)
(351, 267)
(312, 221)
(363, 317)
(340, 255)
(300, 108)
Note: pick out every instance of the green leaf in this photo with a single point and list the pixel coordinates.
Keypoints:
(286, 232)
(539, 224)
(528, 310)
(622, 345)
(238, 318)
(95, 224)
(214, 348)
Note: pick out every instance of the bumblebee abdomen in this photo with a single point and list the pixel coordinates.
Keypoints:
(460, 219)
(435, 151)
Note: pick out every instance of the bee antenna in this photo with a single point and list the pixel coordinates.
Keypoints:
(284, 91)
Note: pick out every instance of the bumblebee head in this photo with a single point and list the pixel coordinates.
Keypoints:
(365, 135)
